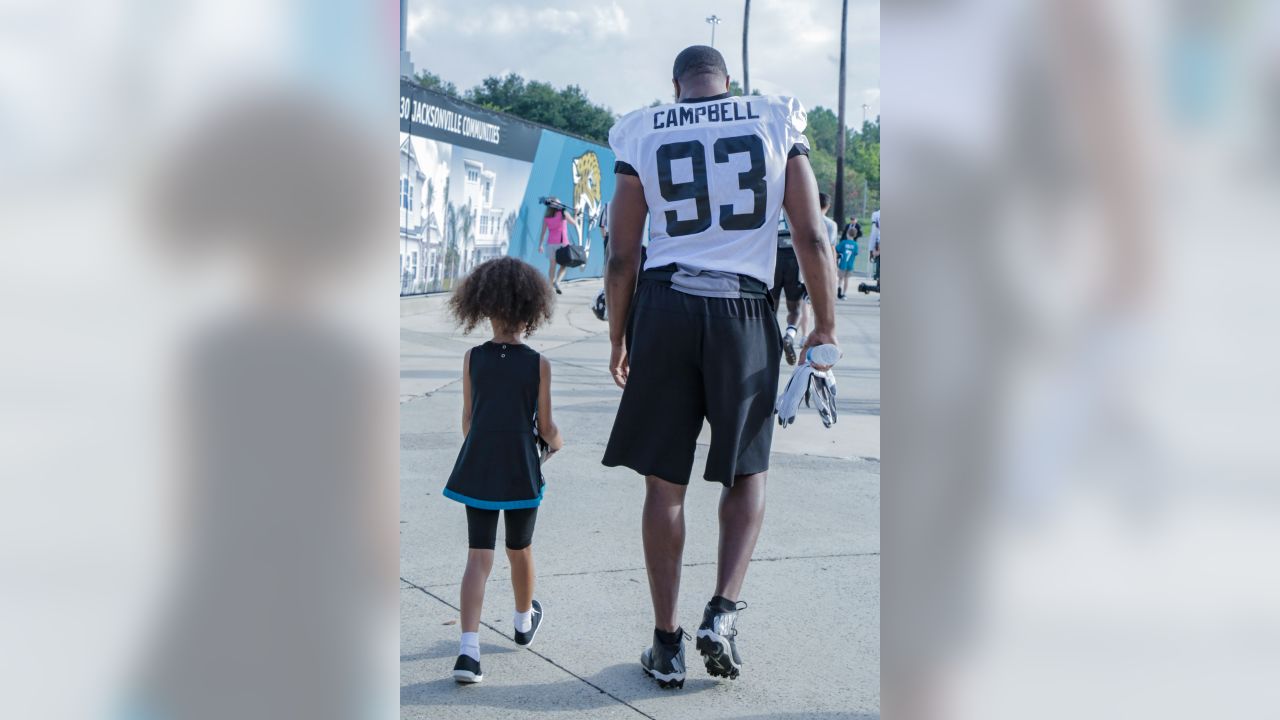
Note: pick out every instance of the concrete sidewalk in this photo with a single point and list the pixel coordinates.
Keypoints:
(810, 639)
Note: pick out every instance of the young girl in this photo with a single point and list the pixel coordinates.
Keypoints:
(555, 230)
(506, 389)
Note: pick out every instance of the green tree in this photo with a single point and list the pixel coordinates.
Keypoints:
(431, 81)
(568, 109)
(862, 159)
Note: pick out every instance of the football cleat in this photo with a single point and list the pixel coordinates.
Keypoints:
(598, 307)
(665, 663)
(716, 641)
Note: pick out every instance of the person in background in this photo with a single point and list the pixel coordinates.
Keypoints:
(847, 255)
(824, 200)
(875, 244)
(555, 233)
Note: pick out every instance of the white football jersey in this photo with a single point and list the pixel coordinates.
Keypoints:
(713, 171)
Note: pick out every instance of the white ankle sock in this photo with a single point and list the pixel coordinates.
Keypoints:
(470, 645)
(791, 329)
(523, 621)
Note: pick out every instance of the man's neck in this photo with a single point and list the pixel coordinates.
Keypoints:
(702, 91)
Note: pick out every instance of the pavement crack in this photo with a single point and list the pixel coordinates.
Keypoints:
(546, 659)
(705, 563)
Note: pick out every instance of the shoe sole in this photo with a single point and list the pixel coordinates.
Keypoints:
(536, 628)
(789, 349)
(666, 681)
(717, 655)
(467, 677)
(675, 680)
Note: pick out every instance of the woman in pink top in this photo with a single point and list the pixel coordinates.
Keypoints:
(555, 231)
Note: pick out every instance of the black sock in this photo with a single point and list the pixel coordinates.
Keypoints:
(668, 638)
(723, 605)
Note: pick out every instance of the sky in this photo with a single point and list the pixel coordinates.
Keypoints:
(620, 51)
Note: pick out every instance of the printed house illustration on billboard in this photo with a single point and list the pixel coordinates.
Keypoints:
(419, 225)
(488, 241)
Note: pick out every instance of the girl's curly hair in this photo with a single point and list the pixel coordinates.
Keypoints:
(509, 292)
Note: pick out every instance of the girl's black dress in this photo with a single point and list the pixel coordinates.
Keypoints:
(497, 467)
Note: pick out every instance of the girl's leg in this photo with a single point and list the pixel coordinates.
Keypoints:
(479, 563)
(482, 532)
(551, 269)
(520, 553)
(560, 272)
(522, 577)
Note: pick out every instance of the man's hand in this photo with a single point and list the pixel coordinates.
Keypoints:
(619, 364)
(816, 338)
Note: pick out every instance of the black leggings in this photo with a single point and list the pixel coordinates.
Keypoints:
(482, 528)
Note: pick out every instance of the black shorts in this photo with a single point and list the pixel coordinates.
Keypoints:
(786, 276)
(482, 528)
(693, 358)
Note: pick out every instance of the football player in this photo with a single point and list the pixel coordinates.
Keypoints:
(693, 331)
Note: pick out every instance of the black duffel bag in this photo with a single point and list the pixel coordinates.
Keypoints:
(571, 256)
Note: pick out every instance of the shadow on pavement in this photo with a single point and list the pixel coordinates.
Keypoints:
(812, 716)
(625, 681)
(563, 695)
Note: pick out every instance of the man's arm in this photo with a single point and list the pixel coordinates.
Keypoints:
(627, 213)
(809, 238)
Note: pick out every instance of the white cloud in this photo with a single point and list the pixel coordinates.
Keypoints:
(560, 19)
(620, 51)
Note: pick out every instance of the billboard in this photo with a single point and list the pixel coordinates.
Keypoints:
(470, 184)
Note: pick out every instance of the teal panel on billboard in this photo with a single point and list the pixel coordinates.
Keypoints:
(579, 174)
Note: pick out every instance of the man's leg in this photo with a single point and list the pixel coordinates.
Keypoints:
(793, 312)
(741, 515)
(662, 528)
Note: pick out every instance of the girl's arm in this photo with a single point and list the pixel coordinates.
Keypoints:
(542, 234)
(546, 425)
(466, 394)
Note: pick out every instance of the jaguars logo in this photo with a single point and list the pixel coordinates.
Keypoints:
(586, 188)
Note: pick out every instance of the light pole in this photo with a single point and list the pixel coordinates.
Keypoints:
(746, 21)
(865, 107)
(840, 121)
(713, 21)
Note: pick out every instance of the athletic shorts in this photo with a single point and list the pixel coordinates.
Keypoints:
(694, 358)
(786, 276)
(482, 528)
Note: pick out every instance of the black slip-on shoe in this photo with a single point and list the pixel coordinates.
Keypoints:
(526, 638)
(467, 670)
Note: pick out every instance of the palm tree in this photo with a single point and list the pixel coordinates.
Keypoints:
(465, 227)
(450, 243)
(838, 205)
(746, 76)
